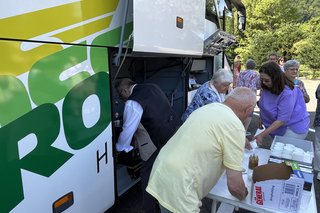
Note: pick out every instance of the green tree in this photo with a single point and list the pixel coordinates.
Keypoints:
(289, 27)
(271, 26)
(307, 50)
(309, 9)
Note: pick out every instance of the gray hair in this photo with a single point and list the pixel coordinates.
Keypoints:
(123, 83)
(291, 63)
(244, 96)
(250, 64)
(222, 76)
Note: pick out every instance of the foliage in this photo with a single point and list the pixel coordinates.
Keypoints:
(308, 73)
(289, 27)
(307, 50)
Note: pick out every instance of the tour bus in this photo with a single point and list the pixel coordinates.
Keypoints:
(60, 115)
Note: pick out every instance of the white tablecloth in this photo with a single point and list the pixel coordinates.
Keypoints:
(221, 193)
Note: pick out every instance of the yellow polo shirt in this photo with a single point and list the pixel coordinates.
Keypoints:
(192, 161)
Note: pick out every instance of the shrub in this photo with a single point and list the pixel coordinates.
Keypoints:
(308, 73)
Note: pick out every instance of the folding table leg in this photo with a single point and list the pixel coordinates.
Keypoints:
(214, 206)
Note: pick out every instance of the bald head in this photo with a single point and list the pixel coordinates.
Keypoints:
(243, 95)
(242, 101)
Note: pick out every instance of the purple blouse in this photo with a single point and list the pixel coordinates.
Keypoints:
(288, 107)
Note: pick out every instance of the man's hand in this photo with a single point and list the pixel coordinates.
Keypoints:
(248, 144)
(236, 184)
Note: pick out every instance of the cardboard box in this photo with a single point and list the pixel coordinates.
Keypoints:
(277, 186)
(307, 172)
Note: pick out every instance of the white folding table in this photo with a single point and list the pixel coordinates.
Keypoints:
(220, 192)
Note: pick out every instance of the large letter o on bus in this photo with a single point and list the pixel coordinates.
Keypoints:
(77, 134)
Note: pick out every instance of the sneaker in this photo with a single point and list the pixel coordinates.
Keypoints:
(318, 176)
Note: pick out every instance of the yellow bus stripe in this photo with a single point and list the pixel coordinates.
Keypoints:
(84, 30)
(40, 22)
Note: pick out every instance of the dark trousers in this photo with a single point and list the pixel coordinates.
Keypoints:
(149, 203)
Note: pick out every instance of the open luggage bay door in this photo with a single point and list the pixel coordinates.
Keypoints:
(170, 27)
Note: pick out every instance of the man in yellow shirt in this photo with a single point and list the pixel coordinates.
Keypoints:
(211, 141)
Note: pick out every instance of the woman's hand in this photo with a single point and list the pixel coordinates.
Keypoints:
(259, 139)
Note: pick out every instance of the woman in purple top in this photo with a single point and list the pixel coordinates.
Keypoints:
(283, 111)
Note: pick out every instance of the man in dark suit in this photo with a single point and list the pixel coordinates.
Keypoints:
(146, 104)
